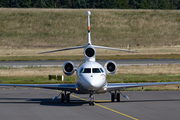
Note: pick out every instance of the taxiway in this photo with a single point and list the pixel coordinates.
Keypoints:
(36, 104)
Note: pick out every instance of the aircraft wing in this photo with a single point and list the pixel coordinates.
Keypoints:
(118, 86)
(67, 87)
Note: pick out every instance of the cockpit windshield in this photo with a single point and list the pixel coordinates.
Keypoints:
(86, 70)
(96, 70)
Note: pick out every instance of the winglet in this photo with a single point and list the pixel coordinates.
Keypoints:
(89, 35)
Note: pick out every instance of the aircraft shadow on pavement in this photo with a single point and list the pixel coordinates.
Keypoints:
(160, 100)
(41, 101)
(50, 102)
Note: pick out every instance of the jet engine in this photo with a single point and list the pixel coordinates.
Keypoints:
(89, 52)
(110, 67)
(68, 68)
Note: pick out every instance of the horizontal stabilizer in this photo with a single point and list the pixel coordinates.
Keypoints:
(65, 49)
(109, 48)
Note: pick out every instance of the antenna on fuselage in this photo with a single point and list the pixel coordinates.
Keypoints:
(89, 33)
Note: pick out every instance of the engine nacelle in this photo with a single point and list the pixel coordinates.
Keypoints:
(89, 54)
(68, 68)
(110, 67)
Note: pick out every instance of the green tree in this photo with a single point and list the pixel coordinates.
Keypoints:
(163, 4)
(143, 4)
(23, 3)
(173, 4)
(178, 5)
(153, 4)
(122, 4)
(103, 4)
(133, 4)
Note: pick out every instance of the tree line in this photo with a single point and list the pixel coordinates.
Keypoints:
(108, 4)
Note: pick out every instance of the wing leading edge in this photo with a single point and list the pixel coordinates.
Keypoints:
(67, 87)
(118, 86)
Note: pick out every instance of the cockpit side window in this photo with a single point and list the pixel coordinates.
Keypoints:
(96, 70)
(101, 70)
(80, 71)
(86, 70)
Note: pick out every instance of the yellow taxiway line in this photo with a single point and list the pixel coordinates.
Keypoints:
(107, 107)
(95, 104)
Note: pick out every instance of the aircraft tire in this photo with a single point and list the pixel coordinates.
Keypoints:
(68, 98)
(112, 97)
(118, 97)
(62, 98)
(91, 103)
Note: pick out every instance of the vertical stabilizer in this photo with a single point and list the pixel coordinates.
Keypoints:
(89, 35)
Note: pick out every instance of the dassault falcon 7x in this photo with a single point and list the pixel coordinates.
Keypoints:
(90, 76)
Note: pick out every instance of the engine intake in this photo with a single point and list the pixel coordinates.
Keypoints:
(110, 67)
(68, 68)
(89, 52)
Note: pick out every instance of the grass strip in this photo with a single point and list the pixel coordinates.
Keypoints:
(124, 78)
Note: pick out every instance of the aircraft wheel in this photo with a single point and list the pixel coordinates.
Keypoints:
(112, 97)
(62, 98)
(118, 97)
(68, 98)
(91, 103)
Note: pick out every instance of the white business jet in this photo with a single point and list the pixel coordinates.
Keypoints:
(90, 76)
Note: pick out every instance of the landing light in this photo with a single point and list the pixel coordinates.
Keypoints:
(77, 89)
(105, 88)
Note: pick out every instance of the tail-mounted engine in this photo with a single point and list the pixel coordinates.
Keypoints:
(110, 67)
(89, 53)
(68, 68)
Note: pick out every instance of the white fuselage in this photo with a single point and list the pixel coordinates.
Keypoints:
(91, 76)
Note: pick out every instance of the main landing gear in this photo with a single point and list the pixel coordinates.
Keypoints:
(64, 97)
(116, 95)
(91, 96)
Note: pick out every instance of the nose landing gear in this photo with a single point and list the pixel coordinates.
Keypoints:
(91, 96)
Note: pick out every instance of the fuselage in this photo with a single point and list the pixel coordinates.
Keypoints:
(91, 76)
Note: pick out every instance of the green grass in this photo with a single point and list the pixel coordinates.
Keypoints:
(124, 78)
(33, 80)
(133, 78)
(22, 28)
(154, 33)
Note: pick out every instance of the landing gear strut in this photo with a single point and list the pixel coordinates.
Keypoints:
(91, 96)
(116, 96)
(64, 97)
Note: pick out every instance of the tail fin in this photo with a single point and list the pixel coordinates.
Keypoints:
(88, 42)
(89, 34)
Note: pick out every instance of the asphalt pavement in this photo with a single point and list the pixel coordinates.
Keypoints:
(36, 104)
(49, 63)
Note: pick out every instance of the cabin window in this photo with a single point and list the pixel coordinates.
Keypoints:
(86, 70)
(101, 70)
(96, 70)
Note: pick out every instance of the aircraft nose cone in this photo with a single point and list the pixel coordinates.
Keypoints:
(95, 84)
